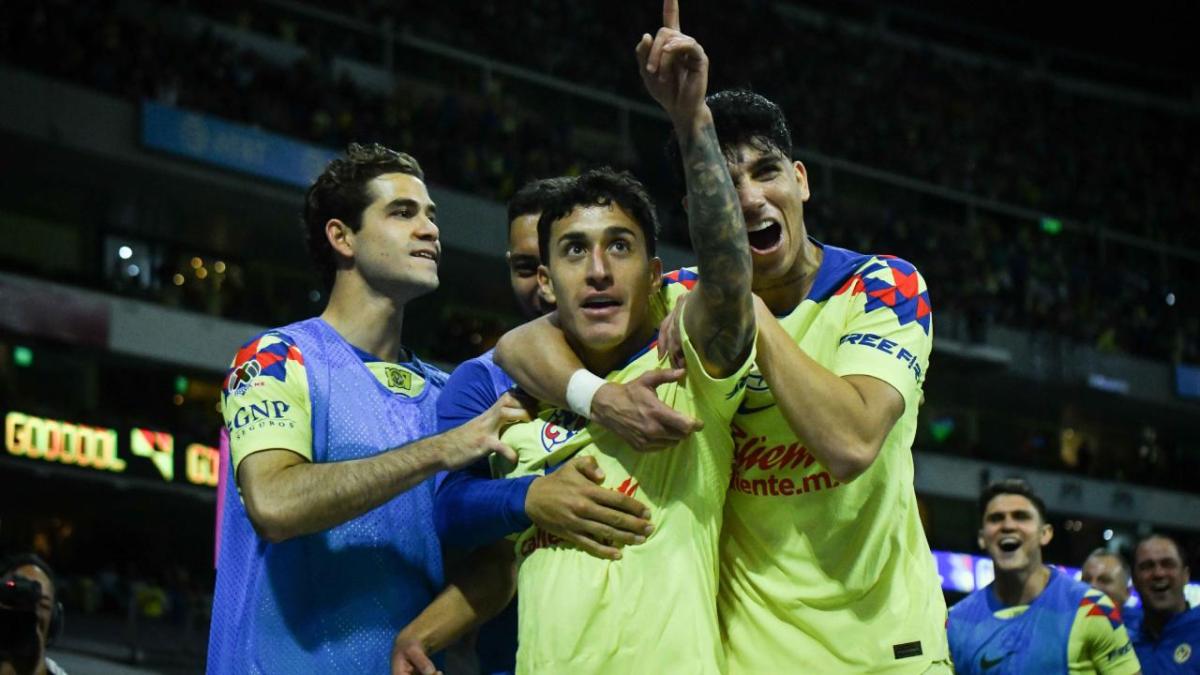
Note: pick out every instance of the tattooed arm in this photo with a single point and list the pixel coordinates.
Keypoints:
(720, 317)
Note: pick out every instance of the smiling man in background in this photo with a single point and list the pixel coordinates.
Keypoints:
(1032, 618)
(1169, 634)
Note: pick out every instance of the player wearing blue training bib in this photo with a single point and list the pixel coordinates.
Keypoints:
(1032, 618)
(327, 540)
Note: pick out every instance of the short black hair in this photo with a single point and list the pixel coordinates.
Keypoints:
(599, 187)
(532, 197)
(341, 192)
(741, 117)
(1011, 486)
(1159, 535)
(1105, 553)
(10, 564)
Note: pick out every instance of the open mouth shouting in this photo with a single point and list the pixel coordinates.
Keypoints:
(1009, 544)
(765, 236)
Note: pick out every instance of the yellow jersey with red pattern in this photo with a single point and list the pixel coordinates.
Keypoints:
(1098, 642)
(654, 610)
(265, 397)
(818, 575)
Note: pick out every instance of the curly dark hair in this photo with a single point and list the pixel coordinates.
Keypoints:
(1011, 486)
(341, 192)
(741, 117)
(599, 187)
(533, 196)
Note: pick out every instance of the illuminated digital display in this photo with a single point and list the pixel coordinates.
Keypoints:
(62, 442)
(99, 449)
(156, 446)
(203, 464)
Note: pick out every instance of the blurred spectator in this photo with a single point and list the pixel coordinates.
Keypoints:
(1107, 571)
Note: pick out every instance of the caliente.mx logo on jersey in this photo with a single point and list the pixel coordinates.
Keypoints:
(559, 428)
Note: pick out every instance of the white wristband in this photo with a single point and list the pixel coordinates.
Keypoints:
(580, 390)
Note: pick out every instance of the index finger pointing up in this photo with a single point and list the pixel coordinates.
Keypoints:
(671, 14)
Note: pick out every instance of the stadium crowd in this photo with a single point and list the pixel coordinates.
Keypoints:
(946, 123)
(321, 500)
(940, 120)
(1070, 155)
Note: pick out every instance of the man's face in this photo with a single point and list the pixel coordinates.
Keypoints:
(600, 275)
(1013, 534)
(523, 264)
(1160, 575)
(1105, 573)
(396, 251)
(772, 190)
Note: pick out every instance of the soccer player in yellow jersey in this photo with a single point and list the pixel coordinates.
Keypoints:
(824, 565)
(653, 609)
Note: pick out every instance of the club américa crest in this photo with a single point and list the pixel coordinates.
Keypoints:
(560, 427)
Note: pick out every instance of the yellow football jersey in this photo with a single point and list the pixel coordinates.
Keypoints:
(654, 610)
(817, 575)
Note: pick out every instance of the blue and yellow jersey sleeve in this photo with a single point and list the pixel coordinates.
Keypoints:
(889, 331)
(675, 285)
(265, 399)
(1099, 642)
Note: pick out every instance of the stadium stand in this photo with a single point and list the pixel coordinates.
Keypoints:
(1049, 208)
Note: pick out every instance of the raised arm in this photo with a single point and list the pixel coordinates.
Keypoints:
(720, 318)
(287, 496)
(537, 357)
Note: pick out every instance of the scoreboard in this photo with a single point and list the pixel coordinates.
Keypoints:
(146, 453)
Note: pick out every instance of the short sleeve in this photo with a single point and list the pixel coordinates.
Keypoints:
(720, 395)
(889, 331)
(1105, 642)
(265, 399)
